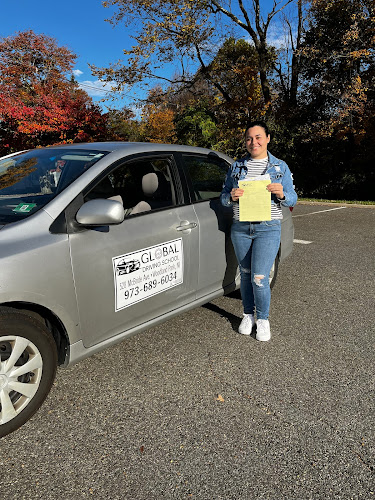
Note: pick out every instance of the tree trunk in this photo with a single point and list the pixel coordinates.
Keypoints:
(295, 61)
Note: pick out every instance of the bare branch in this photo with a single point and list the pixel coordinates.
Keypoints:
(205, 70)
(246, 27)
(290, 29)
(246, 16)
(284, 86)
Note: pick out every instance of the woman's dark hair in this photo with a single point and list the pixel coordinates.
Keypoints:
(258, 123)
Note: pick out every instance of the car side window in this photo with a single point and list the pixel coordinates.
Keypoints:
(205, 175)
(140, 185)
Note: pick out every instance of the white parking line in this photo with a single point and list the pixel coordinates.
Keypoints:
(319, 212)
(302, 242)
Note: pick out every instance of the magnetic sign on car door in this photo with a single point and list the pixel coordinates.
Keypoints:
(147, 272)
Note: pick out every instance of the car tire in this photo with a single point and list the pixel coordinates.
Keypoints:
(28, 362)
(274, 270)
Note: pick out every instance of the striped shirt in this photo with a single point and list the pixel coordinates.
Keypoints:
(254, 169)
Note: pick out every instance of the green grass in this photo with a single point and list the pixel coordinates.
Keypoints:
(351, 202)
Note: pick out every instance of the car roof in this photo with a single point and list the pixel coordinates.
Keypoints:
(122, 148)
(128, 148)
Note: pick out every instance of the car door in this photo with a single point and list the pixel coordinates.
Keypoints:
(205, 175)
(129, 274)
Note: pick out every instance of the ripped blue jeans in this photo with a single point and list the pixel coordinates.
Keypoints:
(256, 245)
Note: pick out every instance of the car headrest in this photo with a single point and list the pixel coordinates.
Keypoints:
(150, 184)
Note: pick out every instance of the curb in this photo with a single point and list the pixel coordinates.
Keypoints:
(336, 204)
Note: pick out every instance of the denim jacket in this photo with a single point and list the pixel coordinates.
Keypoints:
(278, 171)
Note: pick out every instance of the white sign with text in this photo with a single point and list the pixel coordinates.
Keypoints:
(147, 272)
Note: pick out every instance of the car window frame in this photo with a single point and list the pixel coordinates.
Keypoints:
(212, 157)
(167, 155)
(65, 221)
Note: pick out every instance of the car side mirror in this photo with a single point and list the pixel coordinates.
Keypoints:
(100, 212)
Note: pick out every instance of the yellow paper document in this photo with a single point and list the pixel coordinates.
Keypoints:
(255, 203)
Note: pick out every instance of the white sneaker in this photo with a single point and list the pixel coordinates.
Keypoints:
(247, 324)
(263, 330)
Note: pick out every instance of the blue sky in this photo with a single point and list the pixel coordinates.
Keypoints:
(79, 25)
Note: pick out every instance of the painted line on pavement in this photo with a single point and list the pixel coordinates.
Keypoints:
(319, 212)
(302, 242)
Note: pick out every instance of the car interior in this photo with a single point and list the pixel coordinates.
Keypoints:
(140, 186)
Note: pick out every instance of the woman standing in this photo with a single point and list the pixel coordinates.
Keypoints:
(256, 244)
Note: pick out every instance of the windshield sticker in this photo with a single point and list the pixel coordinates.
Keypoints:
(24, 207)
(140, 275)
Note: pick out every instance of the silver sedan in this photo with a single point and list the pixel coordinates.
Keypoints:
(99, 242)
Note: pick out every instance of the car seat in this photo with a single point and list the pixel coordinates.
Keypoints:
(156, 191)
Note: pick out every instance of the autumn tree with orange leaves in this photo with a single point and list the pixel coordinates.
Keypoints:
(158, 119)
(40, 103)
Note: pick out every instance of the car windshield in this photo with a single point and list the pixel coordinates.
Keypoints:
(29, 180)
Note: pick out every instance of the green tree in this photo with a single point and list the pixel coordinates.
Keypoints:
(196, 125)
(328, 137)
(337, 64)
(337, 128)
(121, 125)
(203, 116)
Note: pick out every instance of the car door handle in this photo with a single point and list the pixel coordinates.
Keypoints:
(185, 224)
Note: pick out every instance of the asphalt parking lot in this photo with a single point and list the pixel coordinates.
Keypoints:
(191, 409)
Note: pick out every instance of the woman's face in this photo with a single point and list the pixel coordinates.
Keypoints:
(256, 142)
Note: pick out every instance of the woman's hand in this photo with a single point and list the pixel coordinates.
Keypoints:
(276, 189)
(236, 193)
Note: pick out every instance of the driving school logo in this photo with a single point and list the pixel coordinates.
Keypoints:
(127, 267)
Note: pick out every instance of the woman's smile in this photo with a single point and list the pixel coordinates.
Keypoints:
(257, 142)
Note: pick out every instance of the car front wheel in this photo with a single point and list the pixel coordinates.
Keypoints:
(28, 362)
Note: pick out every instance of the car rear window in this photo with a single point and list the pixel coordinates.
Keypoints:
(29, 180)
